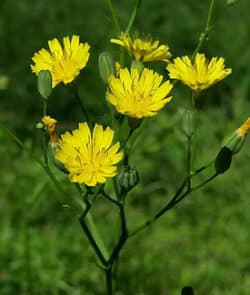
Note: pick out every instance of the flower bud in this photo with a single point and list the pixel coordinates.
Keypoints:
(223, 160)
(106, 66)
(44, 83)
(236, 141)
(188, 123)
(128, 178)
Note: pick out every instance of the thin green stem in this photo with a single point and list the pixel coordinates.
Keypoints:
(53, 179)
(45, 143)
(179, 196)
(114, 16)
(189, 145)
(132, 17)
(19, 142)
(115, 186)
(207, 29)
(92, 239)
(205, 182)
(109, 281)
(89, 221)
(44, 107)
(191, 141)
(111, 199)
(123, 236)
(161, 212)
(82, 107)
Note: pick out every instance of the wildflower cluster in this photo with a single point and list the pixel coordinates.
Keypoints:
(93, 153)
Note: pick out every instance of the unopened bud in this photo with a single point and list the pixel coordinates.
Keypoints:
(128, 178)
(44, 83)
(106, 66)
(188, 123)
(236, 141)
(223, 160)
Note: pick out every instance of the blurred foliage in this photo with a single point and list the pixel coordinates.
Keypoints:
(204, 241)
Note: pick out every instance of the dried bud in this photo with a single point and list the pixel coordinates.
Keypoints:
(106, 66)
(44, 83)
(50, 125)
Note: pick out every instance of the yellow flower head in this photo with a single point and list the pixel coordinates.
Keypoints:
(50, 124)
(143, 49)
(199, 74)
(244, 128)
(136, 95)
(65, 62)
(89, 158)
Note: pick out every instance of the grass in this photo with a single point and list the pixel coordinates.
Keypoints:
(204, 241)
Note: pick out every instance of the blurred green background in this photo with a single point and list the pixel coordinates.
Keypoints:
(204, 242)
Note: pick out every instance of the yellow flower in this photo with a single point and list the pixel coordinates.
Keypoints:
(138, 96)
(201, 73)
(143, 49)
(50, 124)
(243, 129)
(89, 158)
(63, 63)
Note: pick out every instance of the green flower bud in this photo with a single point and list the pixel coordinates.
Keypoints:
(223, 160)
(236, 141)
(106, 66)
(128, 178)
(188, 123)
(44, 83)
